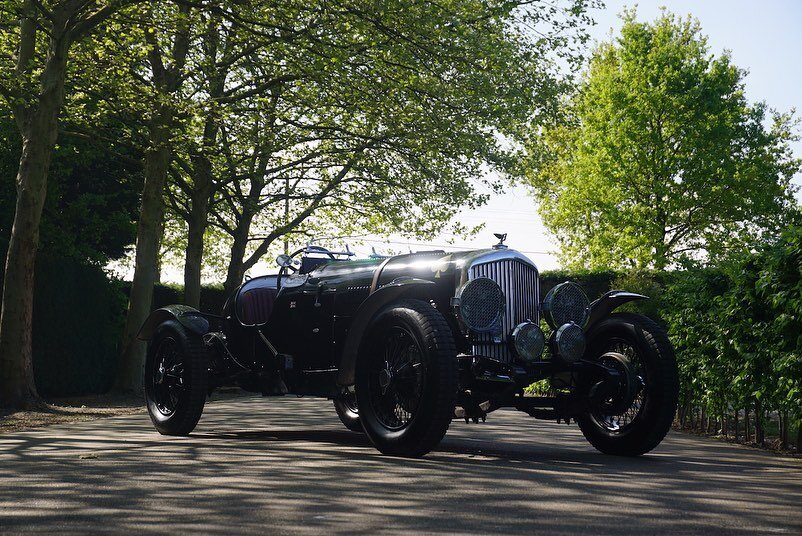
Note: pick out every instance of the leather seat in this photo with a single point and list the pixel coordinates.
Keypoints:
(255, 305)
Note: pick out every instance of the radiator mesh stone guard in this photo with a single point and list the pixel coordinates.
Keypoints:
(519, 282)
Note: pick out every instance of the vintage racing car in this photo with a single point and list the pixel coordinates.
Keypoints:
(405, 344)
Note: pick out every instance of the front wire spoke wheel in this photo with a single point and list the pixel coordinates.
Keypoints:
(619, 421)
(169, 377)
(634, 419)
(406, 378)
(396, 379)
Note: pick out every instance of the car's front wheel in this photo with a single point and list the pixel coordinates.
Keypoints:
(176, 379)
(406, 379)
(641, 347)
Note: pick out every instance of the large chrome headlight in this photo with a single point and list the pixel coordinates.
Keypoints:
(528, 341)
(569, 342)
(481, 304)
(566, 303)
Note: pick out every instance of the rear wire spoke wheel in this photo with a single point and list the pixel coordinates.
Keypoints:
(176, 379)
(348, 412)
(406, 381)
(167, 383)
(649, 408)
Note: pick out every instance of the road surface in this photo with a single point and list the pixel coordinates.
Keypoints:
(286, 465)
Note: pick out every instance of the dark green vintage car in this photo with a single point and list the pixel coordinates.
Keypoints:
(405, 344)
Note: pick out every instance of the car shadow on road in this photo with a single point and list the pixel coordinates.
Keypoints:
(337, 437)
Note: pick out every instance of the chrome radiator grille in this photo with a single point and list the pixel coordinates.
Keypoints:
(519, 282)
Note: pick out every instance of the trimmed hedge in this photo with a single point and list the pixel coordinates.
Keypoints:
(593, 283)
(78, 317)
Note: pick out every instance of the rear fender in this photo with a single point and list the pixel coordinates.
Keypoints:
(190, 318)
(601, 308)
(398, 288)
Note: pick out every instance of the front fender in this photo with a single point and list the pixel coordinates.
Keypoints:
(189, 317)
(601, 308)
(402, 287)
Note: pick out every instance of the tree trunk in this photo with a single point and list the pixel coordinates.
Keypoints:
(236, 267)
(203, 189)
(39, 130)
(799, 438)
(760, 434)
(683, 413)
(735, 421)
(193, 259)
(17, 388)
(197, 223)
(157, 160)
(747, 431)
(236, 264)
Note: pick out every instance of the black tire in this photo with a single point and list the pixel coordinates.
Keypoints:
(646, 422)
(348, 412)
(406, 379)
(176, 395)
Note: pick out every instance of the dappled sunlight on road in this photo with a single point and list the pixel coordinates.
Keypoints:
(288, 464)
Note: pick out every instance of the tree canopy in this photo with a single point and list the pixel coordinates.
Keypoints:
(661, 157)
(265, 119)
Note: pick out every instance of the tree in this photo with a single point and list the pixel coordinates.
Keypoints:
(280, 113)
(662, 157)
(167, 34)
(32, 83)
(378, 117)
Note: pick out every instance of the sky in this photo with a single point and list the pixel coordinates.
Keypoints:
(763, 37)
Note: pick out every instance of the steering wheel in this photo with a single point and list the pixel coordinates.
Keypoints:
(289, 267)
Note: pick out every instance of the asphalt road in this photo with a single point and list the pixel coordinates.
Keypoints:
(287, 465)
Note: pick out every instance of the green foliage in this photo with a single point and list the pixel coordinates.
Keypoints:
(661, 157)
(737, 330)
(373, 118)
(649, 284)
(689, 309)
(91, 205)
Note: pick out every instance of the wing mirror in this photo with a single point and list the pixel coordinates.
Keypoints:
(283, 260)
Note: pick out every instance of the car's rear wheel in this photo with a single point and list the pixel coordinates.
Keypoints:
(348, 412)
(640, 424)
(176, 379)
(406, 379)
